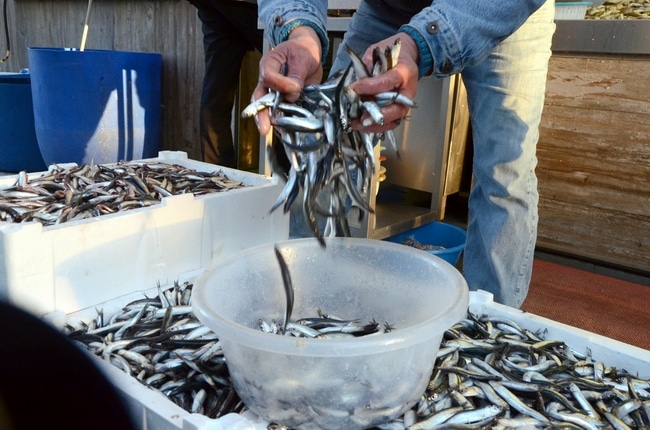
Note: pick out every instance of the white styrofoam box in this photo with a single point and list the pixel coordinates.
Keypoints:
(73, 265)
(571, 10)
(152, 410)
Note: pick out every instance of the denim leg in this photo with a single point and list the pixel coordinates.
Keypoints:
(229, 31)
(506, 97)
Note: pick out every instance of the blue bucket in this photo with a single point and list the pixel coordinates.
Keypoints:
(18, 145)
(96, 106)
(449, 238)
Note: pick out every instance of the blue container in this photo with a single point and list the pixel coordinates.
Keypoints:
(450, 238)
(18, 145)
(96, 106)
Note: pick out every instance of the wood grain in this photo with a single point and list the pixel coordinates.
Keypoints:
(169, 27)
(594, 160)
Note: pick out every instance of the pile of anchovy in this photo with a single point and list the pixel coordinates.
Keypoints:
(490, 373)
(160, 342)
(329, 162)
(66, 194)
(324, 326)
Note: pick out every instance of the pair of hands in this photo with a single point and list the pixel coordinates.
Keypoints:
(302, 54)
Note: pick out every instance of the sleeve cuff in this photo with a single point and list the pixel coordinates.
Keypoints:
(294, 23)
(425, 58)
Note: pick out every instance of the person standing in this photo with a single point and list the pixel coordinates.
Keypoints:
(501, 49)
(229, 31)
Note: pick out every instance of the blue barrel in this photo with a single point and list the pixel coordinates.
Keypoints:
(96, 106)
(18, 145)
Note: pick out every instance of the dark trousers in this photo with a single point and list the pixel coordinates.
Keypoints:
(229, 31)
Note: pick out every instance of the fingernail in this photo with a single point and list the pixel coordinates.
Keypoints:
(366, 122)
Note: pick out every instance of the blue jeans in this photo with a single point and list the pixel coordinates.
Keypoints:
(505, 97)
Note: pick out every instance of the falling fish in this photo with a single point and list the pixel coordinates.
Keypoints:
(331, 164)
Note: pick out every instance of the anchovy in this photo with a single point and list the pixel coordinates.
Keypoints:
(298, 124)
(258, 105)
(184, 362)
(288, 288)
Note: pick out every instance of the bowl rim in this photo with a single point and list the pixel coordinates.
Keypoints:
(419, 333)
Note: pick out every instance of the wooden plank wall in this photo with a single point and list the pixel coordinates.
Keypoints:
(594, 160)
(170, 27)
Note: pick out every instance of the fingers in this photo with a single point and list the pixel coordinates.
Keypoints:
(273, 77)
(393, 115)
(401, 79)
(286, 69)
(397, 81)
(263, 122)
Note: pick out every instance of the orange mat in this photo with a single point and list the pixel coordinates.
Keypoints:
(607, 306)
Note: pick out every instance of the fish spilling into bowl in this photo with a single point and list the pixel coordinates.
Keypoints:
(323, 326)
(320, 326)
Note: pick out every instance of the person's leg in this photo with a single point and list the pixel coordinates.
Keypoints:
(506, 97)
(229, 30)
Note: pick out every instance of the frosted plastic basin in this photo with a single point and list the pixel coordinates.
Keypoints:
(332, 383)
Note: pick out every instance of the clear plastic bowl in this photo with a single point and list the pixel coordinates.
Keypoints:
(331, 383)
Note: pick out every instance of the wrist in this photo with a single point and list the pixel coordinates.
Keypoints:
(300, 28)
(424, 57)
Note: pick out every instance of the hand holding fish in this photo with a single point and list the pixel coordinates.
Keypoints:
(301, 54)
(399, 77)
(314, 123)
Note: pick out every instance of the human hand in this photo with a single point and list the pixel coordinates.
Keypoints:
(301, 53)
(402, 77)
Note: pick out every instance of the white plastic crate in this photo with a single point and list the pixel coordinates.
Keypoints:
(73, 265)
(153, 411)
(571, 10)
